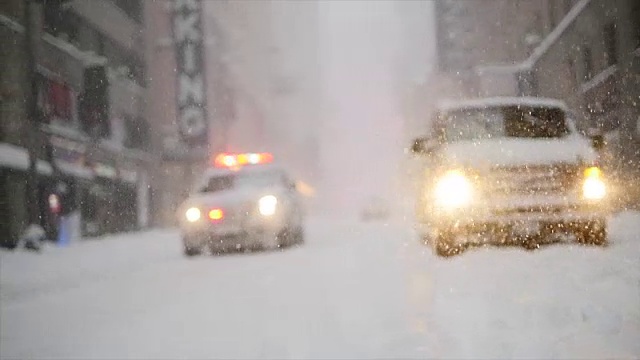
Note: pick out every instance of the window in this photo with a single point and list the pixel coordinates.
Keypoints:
(137, 133)
(243, 180)
(136, 70)
(567, 5)
(497, 122)
(133, 8)
(53, 17)
(538, 23)
(571, 72)
(13, 9)
(94, 102)
(533, 84)
(218, 183)
(634, 15)
(55, 100)
(101, 44)
(72, 21)
(610, 44)
(58, 21)
(551, 7)
(587, 63)
(259, 179)
(527, 84)
(120, 57)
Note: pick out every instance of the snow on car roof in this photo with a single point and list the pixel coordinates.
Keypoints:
(448, 105)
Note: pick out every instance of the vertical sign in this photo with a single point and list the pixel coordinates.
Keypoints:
(190, 87)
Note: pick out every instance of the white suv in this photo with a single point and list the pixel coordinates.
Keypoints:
(510, 168)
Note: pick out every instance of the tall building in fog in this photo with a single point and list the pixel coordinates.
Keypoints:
(271, 58)
(261, 87)
(473, 34)
(469, 34)
(362, 125)
(478, 44)
(170, 60)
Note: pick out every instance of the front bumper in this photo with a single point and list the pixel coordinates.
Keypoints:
(249, 232)
(229, 240)
(502, 213)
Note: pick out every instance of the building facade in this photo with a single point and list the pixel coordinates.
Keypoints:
(182, 161)
(260, 91)
(90, 131)
(591, 59)
(472, 34)
(585, 52)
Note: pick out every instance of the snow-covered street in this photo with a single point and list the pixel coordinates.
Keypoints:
(353, 290)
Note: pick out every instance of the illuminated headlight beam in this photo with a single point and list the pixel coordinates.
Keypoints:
(593, 187)
(267, 205)
(453, 190)
(192, 214)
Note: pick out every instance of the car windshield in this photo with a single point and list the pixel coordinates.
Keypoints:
(497, 122)
(259, 179)
(242, 180)
(218, 183)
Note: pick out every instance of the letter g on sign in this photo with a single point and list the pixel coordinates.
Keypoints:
(192, 123)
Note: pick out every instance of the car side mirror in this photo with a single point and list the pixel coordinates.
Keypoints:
(597, 141)
(423, 145)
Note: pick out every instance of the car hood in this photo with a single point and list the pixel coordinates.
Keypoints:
(518, 151)
(230, 198)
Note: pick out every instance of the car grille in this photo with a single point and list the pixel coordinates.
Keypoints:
(240, 212)
(236, 214)
(533, 180)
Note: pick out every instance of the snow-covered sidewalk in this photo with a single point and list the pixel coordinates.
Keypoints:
(24, 273)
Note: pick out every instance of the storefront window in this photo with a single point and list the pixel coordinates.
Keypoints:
(611, 43)
(587, 65)
(56, 101)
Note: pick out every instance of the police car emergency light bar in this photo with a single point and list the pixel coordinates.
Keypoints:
(226, 160)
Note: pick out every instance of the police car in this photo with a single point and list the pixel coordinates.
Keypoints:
(244, 202)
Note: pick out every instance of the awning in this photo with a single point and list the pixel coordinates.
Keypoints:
(74, 170)
(17, 158)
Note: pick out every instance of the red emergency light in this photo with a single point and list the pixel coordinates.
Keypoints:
(226, 160)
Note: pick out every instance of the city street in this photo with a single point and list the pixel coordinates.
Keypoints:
(354, 290)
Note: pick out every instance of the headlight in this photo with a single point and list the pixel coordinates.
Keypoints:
(267, 205)
(192, 214)
(453, 190)
(593, 187)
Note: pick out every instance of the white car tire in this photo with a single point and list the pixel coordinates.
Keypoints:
(593, 233)
(444, 244)
(191, 251)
